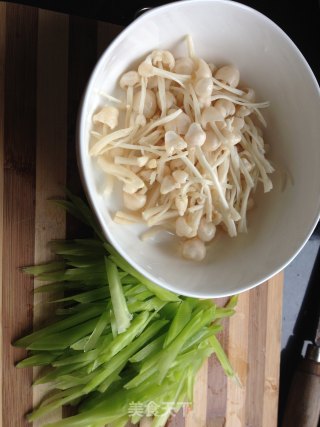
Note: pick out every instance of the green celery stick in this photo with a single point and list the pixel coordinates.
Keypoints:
(103, 341)
(66, 382)
(56, 395)
(77, 358)
(221, 356)
(169, 310)
(55, 286)
(99, 306)
(96, 333)
(190, 383)
(232, 301)
(115, 405)
(61, 325)
(77, 248)
(202, 335)
(54, 374)
(141, 377)
(188, 359)
(129, 280)
(84, 262)
(88, 296)
(150, 349)
(113, 324)
(140, 297)
(222, 312)
(135, 290)
(79, 345)
(123, 340)
(45, 268)
(125, 266)
(84, 274)
(114, 377)
(161, 420)
(43, 410)
(119, 304)
(63, 339)
(203, 305)
(39, 359)
(53, 276)
(124, 355)
(181, 318)
(121, 422)
(169, 354)
(151, 304)
(85, 213)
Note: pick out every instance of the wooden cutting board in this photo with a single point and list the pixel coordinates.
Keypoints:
(45, 60)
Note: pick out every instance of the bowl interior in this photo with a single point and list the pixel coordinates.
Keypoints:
(223, 32)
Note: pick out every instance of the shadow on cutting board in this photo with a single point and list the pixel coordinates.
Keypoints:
(304, 330)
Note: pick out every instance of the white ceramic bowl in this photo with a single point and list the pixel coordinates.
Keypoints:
(223, 32)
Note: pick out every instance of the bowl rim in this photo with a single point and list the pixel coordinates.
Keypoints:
(81, 146)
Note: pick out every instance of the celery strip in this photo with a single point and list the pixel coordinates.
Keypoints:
(141, 377)
(77, 358)
(123, 340)
(63, 339)
(54, 374)
(43, 410)
(61, 325)
(88, 296)
(39, 359)
(151, 348)
(111, 379)
(181, 318)
(119, 304)
(171, 351)
(221, 356)
(45, 268)
(125, 266)
(96, 333)
(124, 355)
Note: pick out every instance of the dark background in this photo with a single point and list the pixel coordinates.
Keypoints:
(301, 21)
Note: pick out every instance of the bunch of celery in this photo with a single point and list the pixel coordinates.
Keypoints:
(118, 340)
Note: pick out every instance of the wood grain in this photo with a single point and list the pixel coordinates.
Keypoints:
(216, 393)
(50, 156)
(273, 346)
(18, 204)
(238, 355)
(48, 58)
(2, 85)
(256, 355)
(197, 416)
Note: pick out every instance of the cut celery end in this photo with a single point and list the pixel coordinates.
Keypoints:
(45, 268)
(61, 325)
(64, 339)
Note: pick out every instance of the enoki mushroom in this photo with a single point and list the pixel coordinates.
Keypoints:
(190, 152)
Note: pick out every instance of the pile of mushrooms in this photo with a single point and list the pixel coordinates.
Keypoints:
(186, 142)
